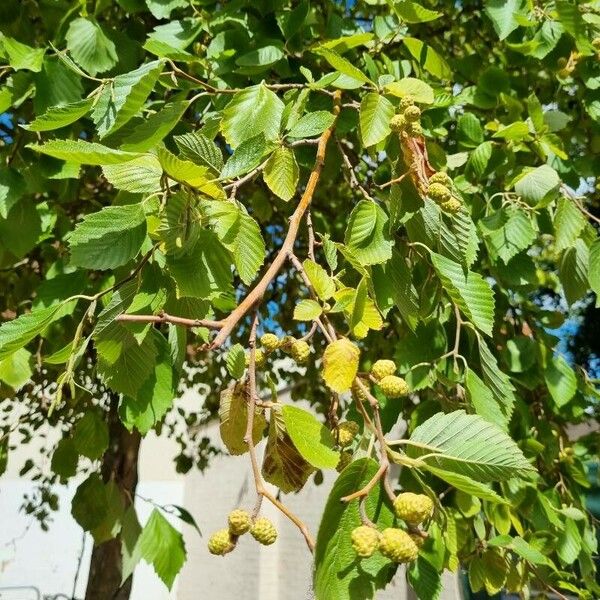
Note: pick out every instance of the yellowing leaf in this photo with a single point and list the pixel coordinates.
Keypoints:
(340, 364)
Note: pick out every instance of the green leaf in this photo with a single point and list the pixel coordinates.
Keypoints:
(65, 459)
(338, 573)
(233, 416)
(60, 116)
(374, 117)
(281, 173)
(339, 63)
(21, 56)
(569, 222)
(15, 370)
(130, 550)
(468, 445)
(428, 58)
(162, 546)
(561, 380)
(156, 394)
(154, 128)
(253, 110)
(247, 156)
(568, 545)
(496, 381)
(203, 270)
(529, 553)
(321, 282)
(20, 331)
(108, 238)
(307, 310)
(12, 187)
(503, 15)
(90, 47)
(312, 439)
(283, 465)
(185, 171)
(124, 364)
(115, 507)
(312, 124)
(87, 153)
(239, 233)
(411, 87)
(161, 9)
(425, 580)
(200, 150)
(90, 435)
(573, 271)
(366, 234)
(90, 503)
(121, 99)
(235, 361)
(537, 186)
(507, 232)
(483, 400)
(467, 485)
(594, 269)
(571, 18)
(411, 12)
(480, 157)
(340, 364)
(471, 293)
(138, 176)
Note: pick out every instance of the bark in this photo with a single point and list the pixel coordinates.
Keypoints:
(119, 464)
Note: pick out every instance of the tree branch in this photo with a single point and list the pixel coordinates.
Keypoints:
(229, 323)
(261, 490)
(163, 317)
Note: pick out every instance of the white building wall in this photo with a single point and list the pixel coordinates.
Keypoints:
(47, 561)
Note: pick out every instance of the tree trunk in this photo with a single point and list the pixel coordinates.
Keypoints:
(119, 464)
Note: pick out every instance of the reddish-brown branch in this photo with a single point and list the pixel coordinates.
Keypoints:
(166, 318)
(229, 323)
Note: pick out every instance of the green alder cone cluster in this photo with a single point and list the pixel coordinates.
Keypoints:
(387, 209)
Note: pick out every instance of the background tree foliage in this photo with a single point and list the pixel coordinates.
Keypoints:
(179, 175)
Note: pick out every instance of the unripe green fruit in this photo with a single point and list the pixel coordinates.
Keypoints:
(394, 387)
(345, 460)
(260, 358)
(239, 522)
(364, 541)
(286, 343)
(220, 542)
(358, 392)
(405, 103)
(439, 193)
(397, 123)
(413, 508)
(263, 531)
(412, 113)
(441, 177)
(381, 368)
(396, 545)
(451, 206)
(300, 351)
(346, 432)
(270, 342)
(414, 129)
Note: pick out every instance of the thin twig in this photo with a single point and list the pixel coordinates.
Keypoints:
(354, 183)
(163, 317)
(261, 490)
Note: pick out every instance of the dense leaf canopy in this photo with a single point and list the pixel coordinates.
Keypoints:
(379, 180)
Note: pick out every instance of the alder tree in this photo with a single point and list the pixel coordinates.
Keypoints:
(385, 207)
